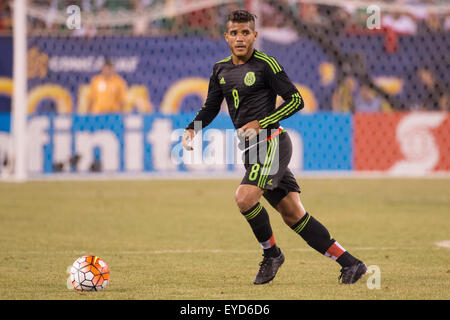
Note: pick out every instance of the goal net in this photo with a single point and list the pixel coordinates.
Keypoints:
(374, 76)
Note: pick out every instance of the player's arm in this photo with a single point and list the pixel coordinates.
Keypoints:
(281, 84)
(207, 113)
(91, 95)
(122, 95)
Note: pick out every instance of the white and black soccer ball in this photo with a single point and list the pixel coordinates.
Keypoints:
(89, 273)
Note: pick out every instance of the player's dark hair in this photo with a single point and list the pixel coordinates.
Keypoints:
(241, 16)
(107, 62)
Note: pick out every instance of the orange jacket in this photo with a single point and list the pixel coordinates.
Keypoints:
(107, 95)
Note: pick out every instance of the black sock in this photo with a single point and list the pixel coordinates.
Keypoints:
(346, 259)
(258, 218)
(318, 237)
(273, 251)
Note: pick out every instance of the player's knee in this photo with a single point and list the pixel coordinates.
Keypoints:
(246, 198)
(241, 200)
(291, 208)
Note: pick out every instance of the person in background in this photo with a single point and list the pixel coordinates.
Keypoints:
(435, 97)
(107, 91)
(366, 100)
(5, 17)
(343, 97)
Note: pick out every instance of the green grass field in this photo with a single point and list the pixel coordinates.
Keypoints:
(185, 239)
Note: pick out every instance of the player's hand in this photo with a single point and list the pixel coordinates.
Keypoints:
(186, 141)
(249, 130)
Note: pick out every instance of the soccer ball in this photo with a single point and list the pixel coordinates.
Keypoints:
(89, 273)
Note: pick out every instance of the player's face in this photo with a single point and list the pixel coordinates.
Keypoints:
(107, 71)
(240, 37)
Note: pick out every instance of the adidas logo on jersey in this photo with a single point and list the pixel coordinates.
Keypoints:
(222, 80)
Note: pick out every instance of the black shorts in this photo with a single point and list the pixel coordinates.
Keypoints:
(266, 167)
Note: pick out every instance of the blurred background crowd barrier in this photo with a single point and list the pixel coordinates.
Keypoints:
(375, 77)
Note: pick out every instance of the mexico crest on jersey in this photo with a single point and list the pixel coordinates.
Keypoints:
(249, 78)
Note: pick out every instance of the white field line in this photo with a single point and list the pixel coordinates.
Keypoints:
(201, 251)
(443, 244)
(237, 174)
(253, 251)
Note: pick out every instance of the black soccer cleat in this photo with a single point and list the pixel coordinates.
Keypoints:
(353, 273)
(268, 268)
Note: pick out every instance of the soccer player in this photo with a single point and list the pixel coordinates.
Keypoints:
(250, 81)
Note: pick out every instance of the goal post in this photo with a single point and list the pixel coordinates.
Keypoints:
(19, 100)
